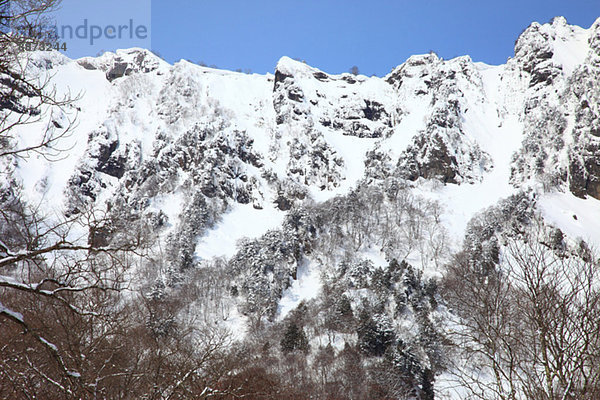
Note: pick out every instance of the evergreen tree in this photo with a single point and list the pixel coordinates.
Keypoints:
(294, 338)
(373, 339)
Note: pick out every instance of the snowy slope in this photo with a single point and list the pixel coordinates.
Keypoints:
(166, 138)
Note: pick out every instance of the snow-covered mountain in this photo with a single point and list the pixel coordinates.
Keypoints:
(287, 177)
(158, 133)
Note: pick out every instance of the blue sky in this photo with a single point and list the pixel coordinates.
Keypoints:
(332, 35)
(78, 20)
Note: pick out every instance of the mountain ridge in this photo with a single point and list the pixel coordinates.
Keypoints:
(427, 120)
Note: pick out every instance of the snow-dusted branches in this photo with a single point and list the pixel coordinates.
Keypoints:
(529, 326)
(27, 96)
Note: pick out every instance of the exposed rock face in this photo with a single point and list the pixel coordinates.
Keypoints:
(126, 63)
(110, 162)
(560, 115)
(544, 113)
(429, 159)
(584, 155)
(335, 102)
(534, 51)
(441, 151)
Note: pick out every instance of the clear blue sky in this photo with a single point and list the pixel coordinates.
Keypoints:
(333, 35)
(84, 19)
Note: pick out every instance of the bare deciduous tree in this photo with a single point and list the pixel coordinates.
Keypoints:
(27, 98)
(531, 328)
(57, 290)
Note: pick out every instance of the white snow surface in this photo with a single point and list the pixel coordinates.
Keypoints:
(307, 286)
(244, 221)
(578, 218)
